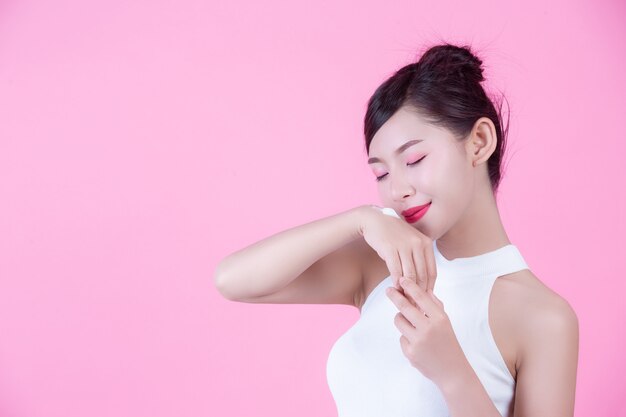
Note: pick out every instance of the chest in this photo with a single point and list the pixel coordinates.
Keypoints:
(504, 310)
(369, 374)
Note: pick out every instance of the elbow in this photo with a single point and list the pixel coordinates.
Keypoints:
(220, 282)
(226, 284)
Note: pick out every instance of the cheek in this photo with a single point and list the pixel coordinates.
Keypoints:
(384, 197)
(430, 178)
(458, 187)
(447, 181)
(427, 179)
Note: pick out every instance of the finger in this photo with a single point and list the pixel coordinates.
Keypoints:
(437, 300)
(405, 345)
(418, 260)
(408, 266)
(395, 268)
(407, 271)
(412, 312)
(432, 266)
(422, 299)
(404, 325)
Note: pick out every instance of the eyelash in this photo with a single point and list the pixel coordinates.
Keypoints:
(413, 163)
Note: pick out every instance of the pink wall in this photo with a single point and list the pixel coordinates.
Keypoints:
(141, 142)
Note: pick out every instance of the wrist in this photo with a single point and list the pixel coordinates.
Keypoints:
(389, 212)
(367, 211)
(363, 214)
(386, 210)
(455, 384)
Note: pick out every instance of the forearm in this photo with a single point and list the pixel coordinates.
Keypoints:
(466, 396)
(272, 263)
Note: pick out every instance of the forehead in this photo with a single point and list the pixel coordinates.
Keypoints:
(403, 126)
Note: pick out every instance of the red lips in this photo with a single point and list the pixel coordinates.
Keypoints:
(412, 210)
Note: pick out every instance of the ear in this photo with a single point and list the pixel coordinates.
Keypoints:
(482, 141)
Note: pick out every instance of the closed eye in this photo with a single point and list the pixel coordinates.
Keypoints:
(412, 163)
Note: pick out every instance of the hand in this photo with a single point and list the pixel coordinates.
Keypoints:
(428, 339)
(406, 251)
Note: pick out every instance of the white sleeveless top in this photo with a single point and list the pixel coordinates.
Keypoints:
(367, 372)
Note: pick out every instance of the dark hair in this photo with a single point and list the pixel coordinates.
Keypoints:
(444, 88)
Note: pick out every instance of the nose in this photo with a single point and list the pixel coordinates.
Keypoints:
(401, 189)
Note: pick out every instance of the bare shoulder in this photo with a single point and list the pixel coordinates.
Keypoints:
(530, 296)
(523, 309)
(543, 328)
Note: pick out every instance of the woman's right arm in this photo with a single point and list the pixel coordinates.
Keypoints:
(316, 263)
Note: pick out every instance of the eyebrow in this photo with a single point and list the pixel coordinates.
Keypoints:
(398, 151)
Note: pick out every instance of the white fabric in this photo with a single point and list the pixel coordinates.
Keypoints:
(367, 372)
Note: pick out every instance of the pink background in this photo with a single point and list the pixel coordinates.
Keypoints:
(141, 142)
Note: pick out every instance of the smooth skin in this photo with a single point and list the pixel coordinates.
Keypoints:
(535, 329)
(340, 259)
(406, 251)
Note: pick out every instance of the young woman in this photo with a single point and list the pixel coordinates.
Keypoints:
(504, 344)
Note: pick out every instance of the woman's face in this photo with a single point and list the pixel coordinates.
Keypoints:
(436, 170)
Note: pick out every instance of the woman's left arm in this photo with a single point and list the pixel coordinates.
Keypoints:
(546, 379)
(548, 356)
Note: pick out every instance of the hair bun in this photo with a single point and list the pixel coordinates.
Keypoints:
(448, 60)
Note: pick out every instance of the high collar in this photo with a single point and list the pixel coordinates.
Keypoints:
(501, 261)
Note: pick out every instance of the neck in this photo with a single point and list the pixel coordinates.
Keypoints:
(478, 231)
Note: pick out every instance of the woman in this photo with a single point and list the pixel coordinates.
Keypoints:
(504, 345)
